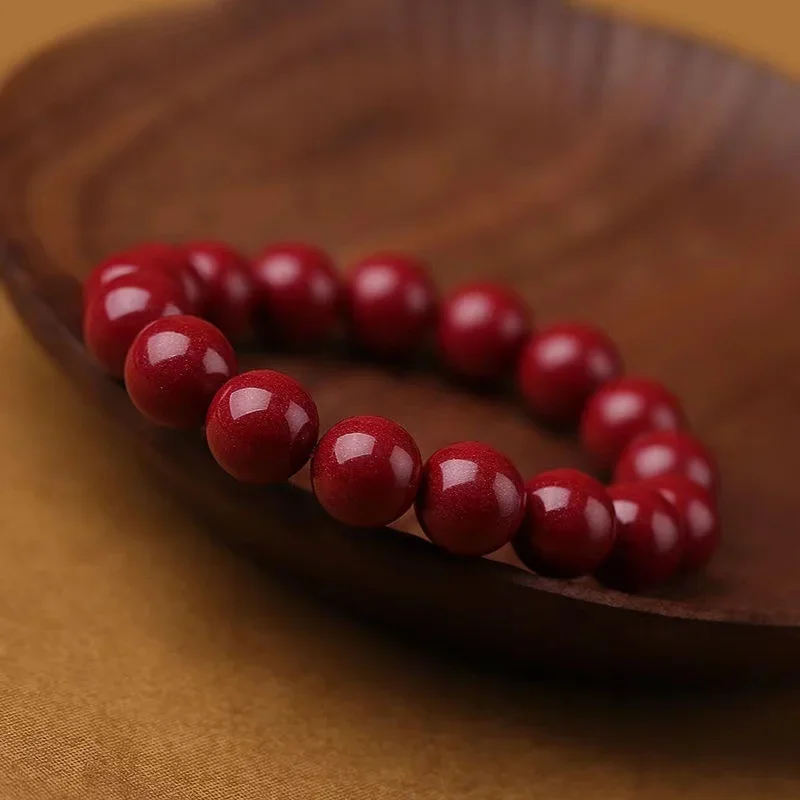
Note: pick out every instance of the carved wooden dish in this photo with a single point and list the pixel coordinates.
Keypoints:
(609, 172)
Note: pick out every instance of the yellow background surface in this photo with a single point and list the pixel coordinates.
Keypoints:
(123, 626)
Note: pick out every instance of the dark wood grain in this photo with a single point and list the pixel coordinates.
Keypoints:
(609, 172)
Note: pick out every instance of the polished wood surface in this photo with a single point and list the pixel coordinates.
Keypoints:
(140, 660)
(615, 192)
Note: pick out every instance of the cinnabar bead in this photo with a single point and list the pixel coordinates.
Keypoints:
(366, 470)
(648, 548)
(262, 426)
(668, 453)
(561, 366)
(298, 291)
(623, 409)
(173, 260)
(115, 316)
(698, 512)
(227, 281)
(471, 499)
(110, 269)
(146, 257)
(569, 525)
(390, 303)
(482, 328)
(175, 367)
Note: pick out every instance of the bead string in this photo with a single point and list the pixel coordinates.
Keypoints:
(163, 318)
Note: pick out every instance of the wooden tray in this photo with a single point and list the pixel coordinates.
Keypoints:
(610, 172)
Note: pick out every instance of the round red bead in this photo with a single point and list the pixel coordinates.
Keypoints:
(650, 539)
(482, 328)
(174, 261)
(391, 304)
(569, 524)
(562, 366)
(175, 367)
(109, 270)
(699, 515)
(471, 499)
(115, 316)
(146, 257)
(298, 291)
(667, 453)
(366, 470)
(262, 426)
(621, 410)
(227, 281)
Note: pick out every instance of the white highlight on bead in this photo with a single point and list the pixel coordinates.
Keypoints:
(456, 471)
(506, 493)
(621, 406)
(402, 465)
(698, 470)
(626, 510)
(598, 517)
(166, 345)
(125, 300)
(214, 363)
(470, 310)
(665, 531)
(700, 518)
(553, 498)
(117, 271)
(296, 418)
(376, 281)
(248, 400)
(654, 460)
(353, 445)
(280, 270)
(555, 351)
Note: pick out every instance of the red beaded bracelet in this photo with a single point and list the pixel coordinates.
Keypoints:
(162, 317)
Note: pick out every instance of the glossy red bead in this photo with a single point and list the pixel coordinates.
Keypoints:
(299, 292)
(659, 453)
(648, 548)
(115, 316)
(175, 367)
(620, 411)
(471, 500)
(569, 525)
(227, 281)
(110, 269)
(561, 366)
(262, 426)
(146, 257)
(698, 512)
(391, 304)
(366, 471)
(482, 328)
(174, 261)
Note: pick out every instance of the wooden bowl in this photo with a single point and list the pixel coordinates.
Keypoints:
(609, 172)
